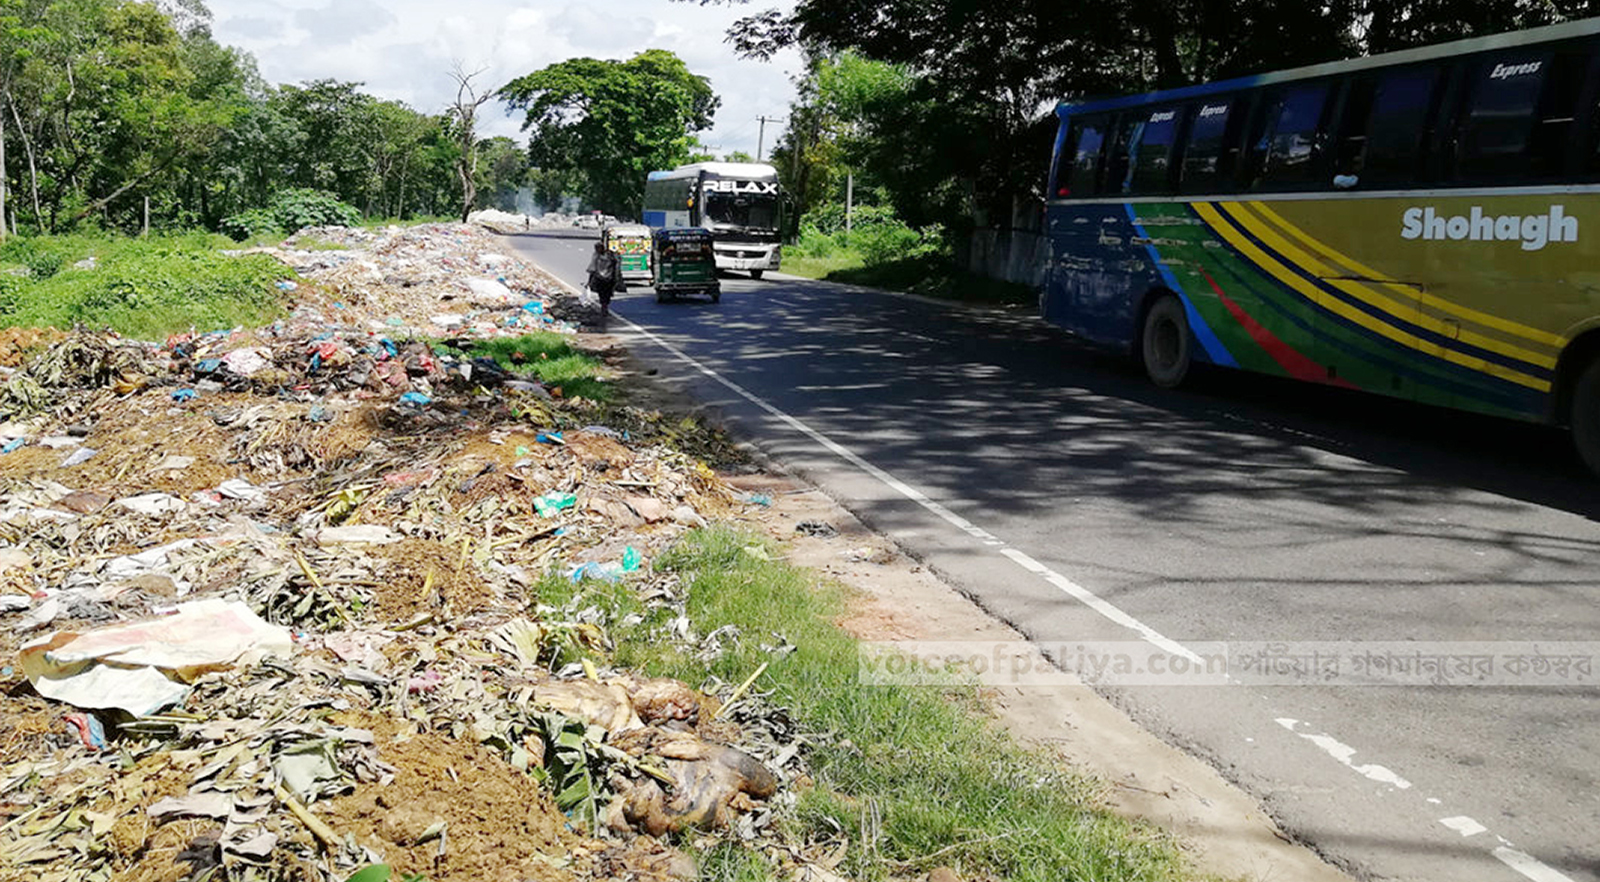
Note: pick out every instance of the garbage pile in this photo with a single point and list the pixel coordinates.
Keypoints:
(506, 222)
(283, 602)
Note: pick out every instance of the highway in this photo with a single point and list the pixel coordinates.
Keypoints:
(1075, 501)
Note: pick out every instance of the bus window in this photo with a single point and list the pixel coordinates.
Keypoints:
(1288, 139)
(1496, 128)
(1208, 156)
(1084, 142)
(1390, 149)
(1152, 153)
(1118, 176)
(1556, 124)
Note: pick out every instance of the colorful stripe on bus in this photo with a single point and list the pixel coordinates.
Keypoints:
(1302, 287)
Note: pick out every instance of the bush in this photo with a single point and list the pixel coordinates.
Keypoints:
(145, 287)
(42, 257)
(291, 210)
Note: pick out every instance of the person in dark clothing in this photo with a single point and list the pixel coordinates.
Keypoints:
(604, 270)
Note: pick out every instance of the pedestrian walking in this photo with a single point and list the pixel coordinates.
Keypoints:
(604, 270)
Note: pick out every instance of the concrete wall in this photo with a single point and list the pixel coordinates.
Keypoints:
(1014, 255)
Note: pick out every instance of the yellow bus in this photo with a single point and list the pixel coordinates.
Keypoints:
(1423, 224)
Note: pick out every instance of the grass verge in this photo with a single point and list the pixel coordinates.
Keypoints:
(933, 276)
(914, 777)
(551, 358)
(144, 287)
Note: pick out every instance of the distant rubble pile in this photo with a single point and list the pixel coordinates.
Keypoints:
(290, 600)
(505, 222)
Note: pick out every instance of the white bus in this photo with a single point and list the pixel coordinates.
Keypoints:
(739, 202)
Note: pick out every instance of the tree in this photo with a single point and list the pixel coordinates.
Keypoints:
(612, 121)
(463, 115)
(974, 119)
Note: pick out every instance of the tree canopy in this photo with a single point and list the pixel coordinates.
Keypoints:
(609, 123)
(106, 103)
(956, 125)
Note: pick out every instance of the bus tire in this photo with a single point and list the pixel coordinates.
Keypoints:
(1585, 416)
(756, 274)
(1164, 342)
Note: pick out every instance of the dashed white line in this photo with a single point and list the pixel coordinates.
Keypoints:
(1529, 866)
(1464, 825)
(1345, 754)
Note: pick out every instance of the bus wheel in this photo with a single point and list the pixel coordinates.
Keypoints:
(756, 274)
(1586, 416)
(1164, 342)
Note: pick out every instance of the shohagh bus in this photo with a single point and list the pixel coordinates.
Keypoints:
(1422, 224)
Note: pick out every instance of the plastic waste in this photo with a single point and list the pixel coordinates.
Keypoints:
(550, 438)
(182, 395)
(630, 559)
(146, 666)
(551, 503)
(13, 445)
(79, 457)
(760, 499)
(605, 572)
(416, 398)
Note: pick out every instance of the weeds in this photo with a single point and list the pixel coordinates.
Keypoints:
(549, 357)
(143, 287)
(913, 777)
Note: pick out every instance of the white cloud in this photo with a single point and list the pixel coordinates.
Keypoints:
(404, 49)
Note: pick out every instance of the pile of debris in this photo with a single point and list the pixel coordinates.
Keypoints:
(291, 600)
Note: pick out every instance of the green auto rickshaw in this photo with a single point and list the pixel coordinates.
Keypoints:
(684, 264)
(631, 242)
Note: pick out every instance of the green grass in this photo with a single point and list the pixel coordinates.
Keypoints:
(914, 777)
(821, 267)
(142, 287)
(932, 275)
(549, 357)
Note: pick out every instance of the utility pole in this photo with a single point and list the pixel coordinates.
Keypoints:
(761, 139)
(849, 197)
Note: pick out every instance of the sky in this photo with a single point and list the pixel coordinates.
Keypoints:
(404, 50)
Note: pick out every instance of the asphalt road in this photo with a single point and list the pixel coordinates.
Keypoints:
(1069, 497)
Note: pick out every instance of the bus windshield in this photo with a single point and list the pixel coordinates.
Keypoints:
(748, 211)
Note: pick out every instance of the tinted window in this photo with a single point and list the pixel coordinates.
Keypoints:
(1119, 161)
(1400, 113)
(1151, 151)
(1085, 140)
(1556, 124)
(1497, 123)
(1207, 160)
(1291, 135)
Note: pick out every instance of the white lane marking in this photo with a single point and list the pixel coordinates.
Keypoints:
(829, 444)
(1523, 863)
(1529, 866)
(1345, 754)
(1464, 825)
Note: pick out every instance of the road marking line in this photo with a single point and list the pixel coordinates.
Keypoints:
(1464, 825)
(1345, 754)
(1022, 559)
(1530, 866)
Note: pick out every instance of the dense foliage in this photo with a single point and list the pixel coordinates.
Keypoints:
(946, 104)
(599, 126)
(143, 287)
(107, 103)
